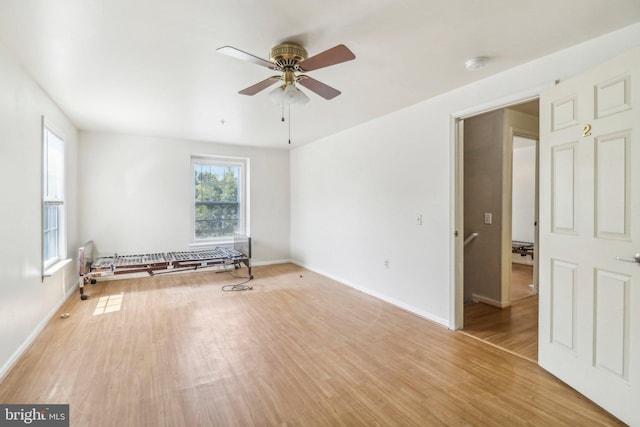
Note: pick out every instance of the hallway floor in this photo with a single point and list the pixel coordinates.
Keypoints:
(514, 328)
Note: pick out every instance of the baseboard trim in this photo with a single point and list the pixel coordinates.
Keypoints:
(411, 309)
(273, 262)
(490, 301)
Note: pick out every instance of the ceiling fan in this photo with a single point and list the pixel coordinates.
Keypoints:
(291, 60)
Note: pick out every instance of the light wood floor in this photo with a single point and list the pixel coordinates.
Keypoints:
(297, 350)
(521, 279)
(514, 328)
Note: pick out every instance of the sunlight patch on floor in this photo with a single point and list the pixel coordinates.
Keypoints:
(109, 304)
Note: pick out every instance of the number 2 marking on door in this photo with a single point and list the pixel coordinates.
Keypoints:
(586, 130)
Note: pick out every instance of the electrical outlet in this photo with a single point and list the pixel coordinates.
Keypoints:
(419, 219)
(386, 263)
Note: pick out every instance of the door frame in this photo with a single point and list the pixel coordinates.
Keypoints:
(456, 120)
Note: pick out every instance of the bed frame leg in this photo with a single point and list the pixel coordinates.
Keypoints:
(83, 296)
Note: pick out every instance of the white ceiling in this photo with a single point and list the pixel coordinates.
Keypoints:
(150, 67)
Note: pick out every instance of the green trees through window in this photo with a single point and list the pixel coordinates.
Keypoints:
(217, 199)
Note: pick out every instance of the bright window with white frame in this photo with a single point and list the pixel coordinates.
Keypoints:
(53, 197)
(219, 204)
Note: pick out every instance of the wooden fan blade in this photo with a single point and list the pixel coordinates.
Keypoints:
(325, 91)
(332, 56)
(238, 54)
(252, 90)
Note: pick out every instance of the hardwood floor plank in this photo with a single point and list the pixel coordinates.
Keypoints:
(299, 349)
(514, 328)
(521, 279)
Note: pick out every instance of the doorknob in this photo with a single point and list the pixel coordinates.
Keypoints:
(635, 259)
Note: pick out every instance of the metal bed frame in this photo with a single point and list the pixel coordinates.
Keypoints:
(160, 263)
(522, 248)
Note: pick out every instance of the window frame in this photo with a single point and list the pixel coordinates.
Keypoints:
(243, 191)
(59, 199)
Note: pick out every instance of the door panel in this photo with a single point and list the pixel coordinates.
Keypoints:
(613, 96)
(612, 323)
(563, 113)
(563, 301)
(563, 203)
(589, 317)
(612, 186)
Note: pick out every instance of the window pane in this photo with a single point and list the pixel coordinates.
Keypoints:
(53, 175)
(50, 233)
(54, 167)
(217, 200)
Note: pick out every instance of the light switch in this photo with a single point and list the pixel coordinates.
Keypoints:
(488, 218)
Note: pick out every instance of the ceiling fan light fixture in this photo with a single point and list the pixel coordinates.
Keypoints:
(288, 94)
(276, 95)
(476, 63)
(300, 97)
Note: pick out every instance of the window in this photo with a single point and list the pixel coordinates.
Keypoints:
(53, 213)
(219, 198)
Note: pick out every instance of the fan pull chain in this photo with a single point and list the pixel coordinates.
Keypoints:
(289, 105)
(289, 124)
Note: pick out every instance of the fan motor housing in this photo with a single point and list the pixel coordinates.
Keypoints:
(288, 54)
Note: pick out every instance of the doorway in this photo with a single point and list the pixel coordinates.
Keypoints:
(524, 220)
(500, 227)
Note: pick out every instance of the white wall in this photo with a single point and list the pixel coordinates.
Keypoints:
(355, 195)
(135, 194)
(26, 301)
(524, 189)
(355, 198)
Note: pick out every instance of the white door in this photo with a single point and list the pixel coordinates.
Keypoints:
(589, 322)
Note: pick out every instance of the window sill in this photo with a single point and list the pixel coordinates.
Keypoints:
(52, 269)
(211, 244)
